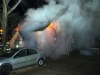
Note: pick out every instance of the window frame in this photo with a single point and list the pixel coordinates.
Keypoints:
(29, 53)
(15, 56)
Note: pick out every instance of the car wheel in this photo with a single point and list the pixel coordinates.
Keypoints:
(5, 70)
(40, 62)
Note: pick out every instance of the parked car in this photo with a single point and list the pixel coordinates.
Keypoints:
(18, 58)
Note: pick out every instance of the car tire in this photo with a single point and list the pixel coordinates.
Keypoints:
(40, 62)
(5, 69)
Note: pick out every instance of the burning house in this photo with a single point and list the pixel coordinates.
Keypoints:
(49, 40)
(44, 31)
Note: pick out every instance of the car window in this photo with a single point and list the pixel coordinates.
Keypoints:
(32, 51)
(21, 53)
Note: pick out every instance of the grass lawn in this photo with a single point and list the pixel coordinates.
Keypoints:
(79, 65)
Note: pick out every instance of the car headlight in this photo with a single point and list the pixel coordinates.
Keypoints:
(0, 64)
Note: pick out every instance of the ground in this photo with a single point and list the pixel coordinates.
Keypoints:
(65, 65)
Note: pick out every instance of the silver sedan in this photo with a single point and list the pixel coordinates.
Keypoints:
(18, 58)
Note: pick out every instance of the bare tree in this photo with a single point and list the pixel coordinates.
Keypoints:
(5, 13)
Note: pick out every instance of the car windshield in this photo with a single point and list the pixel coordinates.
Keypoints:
(9, 53)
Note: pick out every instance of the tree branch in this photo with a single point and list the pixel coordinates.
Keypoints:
(8, 1)
(14, 7)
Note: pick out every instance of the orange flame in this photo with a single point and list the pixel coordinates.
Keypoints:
(17, 28)
(51, 25)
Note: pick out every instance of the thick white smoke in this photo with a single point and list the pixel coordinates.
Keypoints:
(75, 14)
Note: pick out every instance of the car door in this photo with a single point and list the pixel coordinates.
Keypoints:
(20, 59)
(33, 56)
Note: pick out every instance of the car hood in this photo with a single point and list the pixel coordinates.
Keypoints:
(3, 59)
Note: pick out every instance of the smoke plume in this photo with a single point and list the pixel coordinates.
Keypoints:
(74, 15)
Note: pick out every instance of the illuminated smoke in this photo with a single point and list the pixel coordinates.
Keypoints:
(72, 14)
(28, 35)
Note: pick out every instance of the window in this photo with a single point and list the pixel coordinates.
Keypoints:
(21, 54)
(32, 51)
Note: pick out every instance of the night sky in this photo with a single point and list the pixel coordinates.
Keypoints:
(26, 4)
